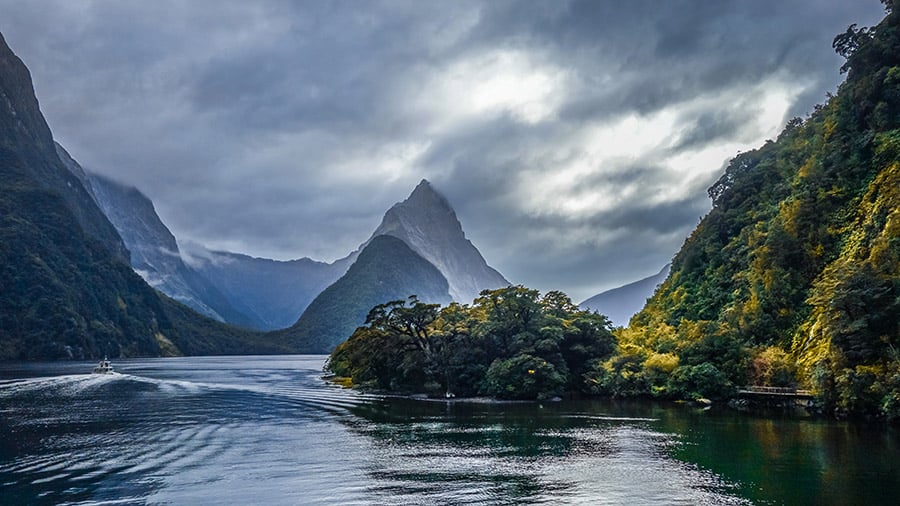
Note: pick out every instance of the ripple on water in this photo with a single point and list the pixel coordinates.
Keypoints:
(212, 430)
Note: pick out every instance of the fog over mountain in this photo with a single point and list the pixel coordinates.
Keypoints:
(574, 138)
(273, 293)
(68, 289)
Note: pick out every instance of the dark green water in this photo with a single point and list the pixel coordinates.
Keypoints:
(268, 430)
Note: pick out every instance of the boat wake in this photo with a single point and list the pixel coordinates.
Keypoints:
(131, 435)
(64, 386)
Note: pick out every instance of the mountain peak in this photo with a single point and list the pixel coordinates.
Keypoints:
(427, 223)
(425, 196)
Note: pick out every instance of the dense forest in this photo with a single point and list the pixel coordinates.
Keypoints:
(511, 343)
(792, 280)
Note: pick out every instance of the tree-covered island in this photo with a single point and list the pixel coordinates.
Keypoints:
(511, 343)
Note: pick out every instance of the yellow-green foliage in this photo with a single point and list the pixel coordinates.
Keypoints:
(166, 347)
(793, 278)
(661, 362)
(773, 366)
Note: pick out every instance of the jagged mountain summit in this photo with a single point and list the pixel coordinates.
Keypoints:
(274, 294)
(427, 223)
(419, 249)
(620, 304)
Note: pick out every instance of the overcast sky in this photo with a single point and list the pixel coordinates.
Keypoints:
(575, 140)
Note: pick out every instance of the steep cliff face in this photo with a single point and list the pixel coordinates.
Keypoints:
(255, 293)
(68, 290)
(154, 251)
(385, 270)
(428, 224)
(25, 132)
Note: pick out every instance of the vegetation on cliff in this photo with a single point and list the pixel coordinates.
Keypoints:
(386, 269)
(793, 278)
(66, 287)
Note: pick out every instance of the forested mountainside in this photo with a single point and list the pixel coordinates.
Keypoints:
(386, 269)
(793, 278)
(66, 288)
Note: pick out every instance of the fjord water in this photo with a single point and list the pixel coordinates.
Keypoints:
(269, 430)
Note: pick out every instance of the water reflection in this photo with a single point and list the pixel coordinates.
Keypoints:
(795, 461)
(268, 430)
(527, 453)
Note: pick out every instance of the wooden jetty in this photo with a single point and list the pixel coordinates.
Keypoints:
(776, 396)
(754, 391)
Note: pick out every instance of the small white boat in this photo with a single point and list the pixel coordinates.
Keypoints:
(104, 367)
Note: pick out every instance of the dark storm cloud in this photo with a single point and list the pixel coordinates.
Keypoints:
(574, 138)
(710, 127)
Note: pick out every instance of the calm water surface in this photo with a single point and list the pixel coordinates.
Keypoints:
(268, 430)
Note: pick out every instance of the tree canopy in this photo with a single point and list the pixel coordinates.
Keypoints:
(511, 343)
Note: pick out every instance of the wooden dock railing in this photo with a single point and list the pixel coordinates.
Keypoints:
(781, 391)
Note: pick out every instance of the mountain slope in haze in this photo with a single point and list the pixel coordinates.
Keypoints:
(268, 294)
(386, 269)
(427, 224)
(26, 133)
(620, 304)
(154, 251)
(793, 278)
(272, 293)
(67, 288)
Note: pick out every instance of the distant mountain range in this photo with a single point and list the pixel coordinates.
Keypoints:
(266, 294)
(271, 293)
(620, 304)
(70, 236)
